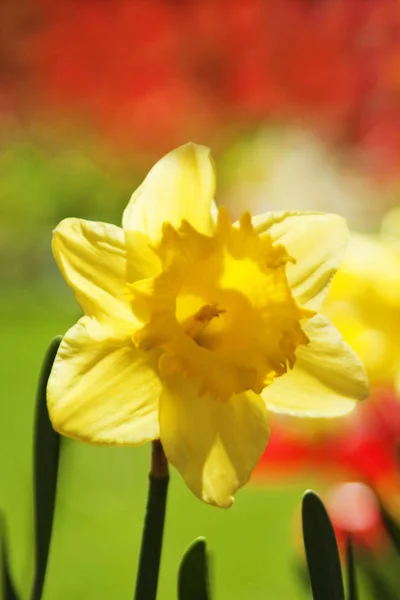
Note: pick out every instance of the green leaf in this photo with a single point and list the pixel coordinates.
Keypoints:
(193, 581)
(321, 550)
(46, 458)
(378, 587)
(300, 571)
(352, 593)
(8, 591)
(392, 528)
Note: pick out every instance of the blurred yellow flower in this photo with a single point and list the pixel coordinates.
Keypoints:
(194, 327)
(364, 303)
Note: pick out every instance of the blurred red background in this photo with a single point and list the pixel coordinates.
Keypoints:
(150, 74)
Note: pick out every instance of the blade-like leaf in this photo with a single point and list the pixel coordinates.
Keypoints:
(46, 458)
(379, 588)
(8, 591)
(392, 528)
(193, 581)
(352, 593)
(300, 571)
(321, 550)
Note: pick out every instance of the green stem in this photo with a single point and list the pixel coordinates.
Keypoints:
(150, 553)
(351, 571)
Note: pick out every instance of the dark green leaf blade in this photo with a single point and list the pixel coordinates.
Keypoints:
(8, 591)
(321, 550)
(392, 528)
(352, 593)
(193, 581)
(46, 459)
(300, 572)
(378, 587)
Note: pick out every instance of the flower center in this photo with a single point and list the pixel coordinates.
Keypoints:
(199, 321)
(221, 310)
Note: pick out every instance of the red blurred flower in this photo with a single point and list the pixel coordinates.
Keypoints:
(156, 72)
(365, 448)
(354, 510)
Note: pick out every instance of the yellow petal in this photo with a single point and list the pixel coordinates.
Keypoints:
(326, 380)
(317, 242)
(364, 303)
(101, 391)
(180, 186)
(142, 261)
(215, 445)
(370, 273)
(92, 258)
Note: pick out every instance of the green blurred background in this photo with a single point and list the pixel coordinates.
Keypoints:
(102, 495)
(300, 102)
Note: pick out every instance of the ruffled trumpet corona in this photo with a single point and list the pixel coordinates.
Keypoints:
(194, 327)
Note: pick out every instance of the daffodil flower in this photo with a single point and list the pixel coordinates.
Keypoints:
(364, 303)
(194, 328)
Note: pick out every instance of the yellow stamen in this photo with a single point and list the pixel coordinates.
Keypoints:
(199, 321)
